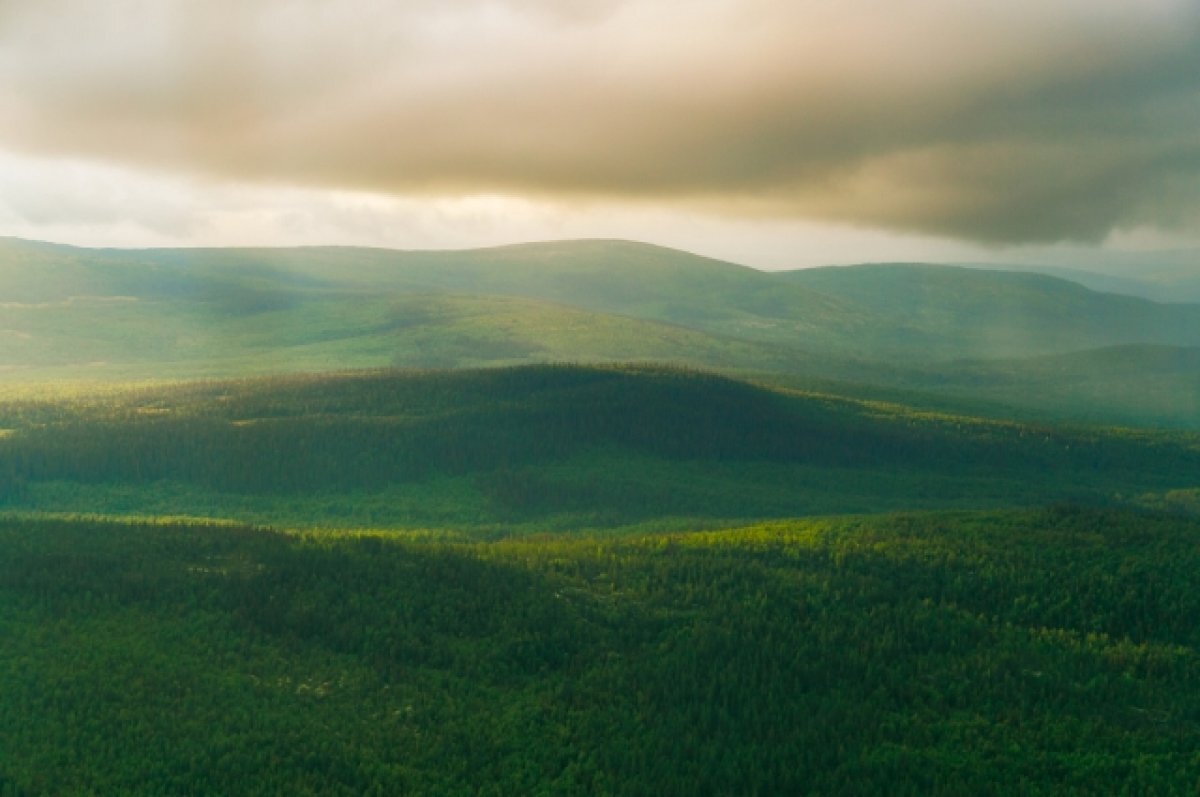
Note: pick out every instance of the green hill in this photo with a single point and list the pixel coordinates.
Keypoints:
(622, 277)
(844, 575)
(1162, 276)
(1130, 385)
(918, 312)
(946, 311)
(541, 447)
(631, 279)
(179, 313)
(955, 335)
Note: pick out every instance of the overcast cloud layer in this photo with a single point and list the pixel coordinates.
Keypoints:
(996, 122)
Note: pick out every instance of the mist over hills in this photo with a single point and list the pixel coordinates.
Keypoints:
(975, 335)
(1164, 276)
(948, 311)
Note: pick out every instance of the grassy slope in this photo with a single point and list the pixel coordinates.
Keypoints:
(947, 311)
(923, 311)
(1131, 283)
(124, 340)
(1162, 276)
(915, 310)
(130, 315)
(1001, 312)
(115, 314)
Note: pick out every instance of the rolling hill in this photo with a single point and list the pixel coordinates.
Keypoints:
(946, 311)
(921, 311)
(585, 580)
(1127, 385)
(545, 446)
(951, 333)
(1162, 276)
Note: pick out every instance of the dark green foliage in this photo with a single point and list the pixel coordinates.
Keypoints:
(1048, 652)
(615, 445)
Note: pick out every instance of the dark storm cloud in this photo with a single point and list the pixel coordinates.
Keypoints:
(997, 122)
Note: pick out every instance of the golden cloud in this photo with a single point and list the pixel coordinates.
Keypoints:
(991, 121)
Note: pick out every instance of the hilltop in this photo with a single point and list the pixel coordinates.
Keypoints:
(546, 446)
(1163, 276)
(947, 311)
(950, 333)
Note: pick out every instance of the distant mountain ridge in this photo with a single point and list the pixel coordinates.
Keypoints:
(1172, 277)
(954, 311)
(180, 313)
(946, 311)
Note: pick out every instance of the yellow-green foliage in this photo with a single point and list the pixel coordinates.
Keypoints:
(1046, 652)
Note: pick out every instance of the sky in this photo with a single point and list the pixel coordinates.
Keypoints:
(776, 133)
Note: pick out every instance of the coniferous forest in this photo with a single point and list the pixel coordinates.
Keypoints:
(1022, 651)
(623, 521)
(587, 580)
(599, 398)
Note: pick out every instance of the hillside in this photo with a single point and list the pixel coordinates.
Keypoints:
(917, 311)
(946, 311)
(975, 338)
(944, 654)
(536, 604)
(104, 313)
(627, 278)
(1129, 385)
(541, 447)
(1162, 276)
(114, 339)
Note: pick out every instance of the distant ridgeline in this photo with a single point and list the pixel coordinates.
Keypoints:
(547, 444)
(983, 340)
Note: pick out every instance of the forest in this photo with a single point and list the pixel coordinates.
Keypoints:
(599, 398)
(587, 580)
(536, 446)
(1043, 651)
(592, 518)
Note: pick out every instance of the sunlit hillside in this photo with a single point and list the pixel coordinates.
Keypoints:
(103, 315)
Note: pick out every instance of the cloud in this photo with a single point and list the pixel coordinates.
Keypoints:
(87, 204)
(997, 122)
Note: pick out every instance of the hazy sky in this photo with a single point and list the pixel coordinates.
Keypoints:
(773, 132)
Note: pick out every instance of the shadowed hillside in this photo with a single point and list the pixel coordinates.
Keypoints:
(1128, 385)
(528, 445)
